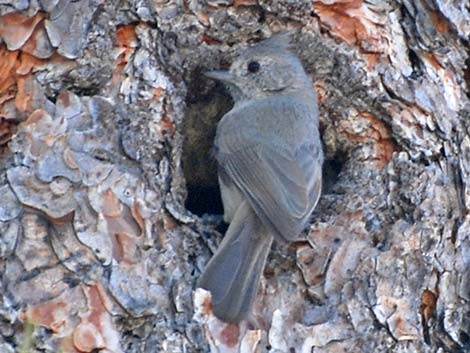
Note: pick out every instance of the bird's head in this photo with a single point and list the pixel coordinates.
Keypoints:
(266, 69)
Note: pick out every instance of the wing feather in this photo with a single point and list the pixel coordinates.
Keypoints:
(271, 150)
(282, 191)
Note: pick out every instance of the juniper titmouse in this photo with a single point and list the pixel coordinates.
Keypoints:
(270, 157)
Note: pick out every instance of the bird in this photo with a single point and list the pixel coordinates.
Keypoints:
(269, 158)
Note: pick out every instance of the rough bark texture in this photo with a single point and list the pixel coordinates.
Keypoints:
(101, 101)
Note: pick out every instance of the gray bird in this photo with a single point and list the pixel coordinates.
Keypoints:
(270, 157)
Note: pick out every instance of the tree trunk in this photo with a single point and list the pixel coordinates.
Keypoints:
(109, 204)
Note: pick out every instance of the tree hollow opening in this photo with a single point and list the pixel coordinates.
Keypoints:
(205, 107)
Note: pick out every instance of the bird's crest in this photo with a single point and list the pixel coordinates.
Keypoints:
(281, 41)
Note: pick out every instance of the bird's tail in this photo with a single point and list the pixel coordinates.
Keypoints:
(232, 275)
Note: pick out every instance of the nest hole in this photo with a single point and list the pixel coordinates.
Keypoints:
(331, 171)
(206, 104)
(204, 200)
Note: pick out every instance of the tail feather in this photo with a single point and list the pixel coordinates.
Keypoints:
(232, 275)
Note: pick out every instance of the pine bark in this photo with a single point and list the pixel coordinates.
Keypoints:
(109, 208)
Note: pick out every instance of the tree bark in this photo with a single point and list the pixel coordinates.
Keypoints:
(109, 208)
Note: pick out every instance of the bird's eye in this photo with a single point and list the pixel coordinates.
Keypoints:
(253, 66)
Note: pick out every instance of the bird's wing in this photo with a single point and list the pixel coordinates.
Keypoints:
(282, 185)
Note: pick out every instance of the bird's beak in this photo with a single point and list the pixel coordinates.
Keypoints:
(220, 75)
